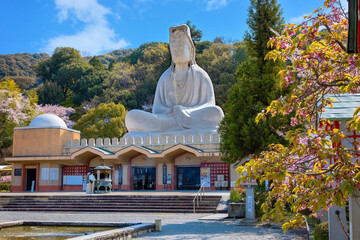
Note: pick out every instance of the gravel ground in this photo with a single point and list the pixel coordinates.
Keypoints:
(175, 226)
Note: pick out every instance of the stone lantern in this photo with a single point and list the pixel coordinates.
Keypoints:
(103, 179)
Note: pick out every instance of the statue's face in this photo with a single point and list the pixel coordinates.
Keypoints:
(180, 47)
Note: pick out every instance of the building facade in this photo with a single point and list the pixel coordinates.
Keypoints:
(48, 156)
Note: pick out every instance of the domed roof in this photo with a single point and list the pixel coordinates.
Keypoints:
(47, 121)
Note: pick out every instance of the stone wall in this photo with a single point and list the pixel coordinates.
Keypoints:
(159, 143)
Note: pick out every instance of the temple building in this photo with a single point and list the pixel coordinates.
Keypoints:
(48, 156)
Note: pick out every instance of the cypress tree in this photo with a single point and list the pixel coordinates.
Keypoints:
(256, 87)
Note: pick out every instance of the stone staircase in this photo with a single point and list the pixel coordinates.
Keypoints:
(108, 203)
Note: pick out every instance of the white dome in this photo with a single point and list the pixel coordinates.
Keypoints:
(47, 121)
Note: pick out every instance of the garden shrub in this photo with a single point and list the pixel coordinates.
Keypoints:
(260, 195)
(5, 186)
(237, 195)
(321, 231)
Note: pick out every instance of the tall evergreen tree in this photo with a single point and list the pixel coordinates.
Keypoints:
(255, 89)
(196, 34)
(112, 64)
(96, 63)
(264, 15)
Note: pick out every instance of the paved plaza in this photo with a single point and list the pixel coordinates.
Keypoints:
(175, 226)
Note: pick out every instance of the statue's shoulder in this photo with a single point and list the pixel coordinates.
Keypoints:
(199, 72)
(165, 74)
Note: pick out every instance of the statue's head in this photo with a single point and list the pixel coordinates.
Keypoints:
(181, 45)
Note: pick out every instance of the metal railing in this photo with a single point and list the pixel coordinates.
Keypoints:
(198, 195)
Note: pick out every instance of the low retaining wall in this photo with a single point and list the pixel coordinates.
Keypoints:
(237, 210)
(124, 230)
(119, 234)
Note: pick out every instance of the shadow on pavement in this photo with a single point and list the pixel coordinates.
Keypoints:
(219, 230)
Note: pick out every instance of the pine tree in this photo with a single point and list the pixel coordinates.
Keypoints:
(255, 89)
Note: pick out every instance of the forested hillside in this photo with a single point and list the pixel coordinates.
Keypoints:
(20, 64)
(126, 76)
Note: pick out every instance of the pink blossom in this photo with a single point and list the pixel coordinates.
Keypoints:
(5, 179)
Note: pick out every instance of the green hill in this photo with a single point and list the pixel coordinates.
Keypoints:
(20, 64)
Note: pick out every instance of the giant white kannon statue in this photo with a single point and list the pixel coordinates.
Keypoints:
(184, 99)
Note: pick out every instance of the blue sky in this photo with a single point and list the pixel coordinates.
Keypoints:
(98, 26)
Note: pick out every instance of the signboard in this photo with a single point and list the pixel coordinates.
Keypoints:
(164, 173)
(84, 183)
(217, 169)
(168, 181)
(44, 173)
(224, 184)
(205, 177)
(73, 180)
(220, 177)
(54, 174)
(249, 203)
(17, 172)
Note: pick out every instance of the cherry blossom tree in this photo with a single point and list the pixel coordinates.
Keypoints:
(15, 111)
(314, 171)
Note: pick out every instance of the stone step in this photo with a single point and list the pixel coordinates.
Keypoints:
(103, 196)
(110, 210)
(142, 201)
(106, 207)
(107, 203)
(110, 200)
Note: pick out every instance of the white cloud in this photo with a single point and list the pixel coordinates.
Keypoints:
(297, 20)
(95, 38)
(215, 4)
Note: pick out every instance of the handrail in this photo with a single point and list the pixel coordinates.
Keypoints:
(199, 193)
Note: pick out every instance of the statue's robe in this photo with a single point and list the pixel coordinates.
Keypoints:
(179, 106)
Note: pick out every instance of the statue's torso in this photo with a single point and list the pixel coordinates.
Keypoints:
(188, 88)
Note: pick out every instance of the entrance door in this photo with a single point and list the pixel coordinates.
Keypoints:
(30, 177)
(188, 178)
(144, 178)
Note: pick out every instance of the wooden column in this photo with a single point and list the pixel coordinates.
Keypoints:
(130, 177)
(37, 177)
(173, 186)
(23, 177)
